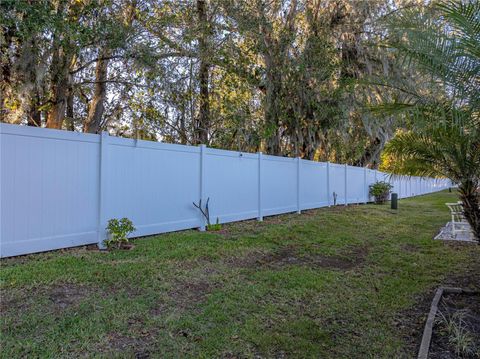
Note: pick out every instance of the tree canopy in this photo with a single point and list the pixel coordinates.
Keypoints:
(283, 76)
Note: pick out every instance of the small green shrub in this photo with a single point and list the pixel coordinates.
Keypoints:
(118, 231)
(214, 227)
(380, 191)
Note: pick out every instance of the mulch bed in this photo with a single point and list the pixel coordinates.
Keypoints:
(464, 341)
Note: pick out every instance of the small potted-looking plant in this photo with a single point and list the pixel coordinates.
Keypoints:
(118, 231)
(380, 191)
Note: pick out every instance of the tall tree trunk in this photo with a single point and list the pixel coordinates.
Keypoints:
(203, 75)
(32, 95)
(97, 104)
(309, 144)
(62, 60)
(471, 205)
(70, 109)
(34, 115)
(272, 109)
(60, 70)
(96, 108)
(56, 115)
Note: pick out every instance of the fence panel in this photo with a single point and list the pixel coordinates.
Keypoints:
(279, 185)
(337, 183)
(232, 185)
(49, 189)
(405, 188)
(58, 189)
(153, 184)
(355, 184)
(313, 184)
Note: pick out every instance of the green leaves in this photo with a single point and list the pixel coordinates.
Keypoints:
(119, 231)
(443, 43)
(380, 190)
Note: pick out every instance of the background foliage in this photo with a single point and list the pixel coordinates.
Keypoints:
(285, 76)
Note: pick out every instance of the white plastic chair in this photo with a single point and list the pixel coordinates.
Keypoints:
(459, 223)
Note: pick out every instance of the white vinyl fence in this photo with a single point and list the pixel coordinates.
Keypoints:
(58, 189)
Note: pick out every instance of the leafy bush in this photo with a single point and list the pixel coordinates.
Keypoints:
(118, 231)
(380, 191)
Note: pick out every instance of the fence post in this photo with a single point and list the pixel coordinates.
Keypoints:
(260, 213)
(328, 183)
(203, 149)
(102, 194)
(298, 185)
(376, 175)
(365, 187)
(346, 175)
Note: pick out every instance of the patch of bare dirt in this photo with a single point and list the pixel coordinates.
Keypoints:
(61, 296)
(66, 295)
(136, 342)
(138, 345)
(289, 256)
(160, 309)
(249, 260)
(187, 295)
(13, 302)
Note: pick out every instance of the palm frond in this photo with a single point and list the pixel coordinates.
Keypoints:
(443, 41)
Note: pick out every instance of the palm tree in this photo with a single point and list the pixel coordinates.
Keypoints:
(442, 43)
(442, 151)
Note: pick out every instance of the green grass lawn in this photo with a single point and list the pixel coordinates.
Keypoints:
(339, 282)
